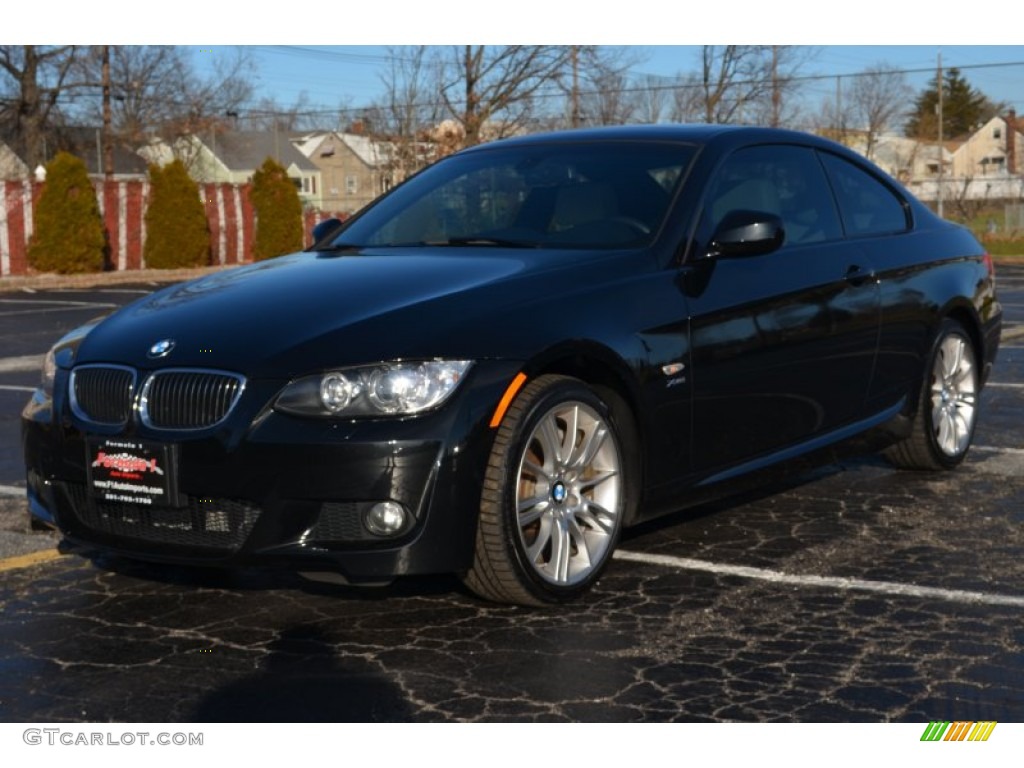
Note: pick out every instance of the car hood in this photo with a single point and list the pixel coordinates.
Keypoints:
(284, 317)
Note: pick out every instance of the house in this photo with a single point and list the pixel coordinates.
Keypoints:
(86, 142)
(234, 156)
(12, 167)
(991, 150)
(984, 166)
(353, 168)
(903, 158)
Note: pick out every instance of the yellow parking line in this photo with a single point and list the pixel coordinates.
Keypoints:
(33, 558)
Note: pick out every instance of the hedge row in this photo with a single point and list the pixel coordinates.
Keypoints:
(69, 234)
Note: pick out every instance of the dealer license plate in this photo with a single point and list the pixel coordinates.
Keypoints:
(132, 472)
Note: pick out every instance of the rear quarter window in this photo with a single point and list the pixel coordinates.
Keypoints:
(866, 205)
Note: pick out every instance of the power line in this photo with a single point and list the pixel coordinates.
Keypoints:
(252, 109)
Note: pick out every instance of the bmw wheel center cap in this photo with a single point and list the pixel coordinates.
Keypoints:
(558, 493)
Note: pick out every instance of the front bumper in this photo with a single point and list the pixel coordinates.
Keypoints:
(270, 489)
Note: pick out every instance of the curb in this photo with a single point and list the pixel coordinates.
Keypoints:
(150, 276)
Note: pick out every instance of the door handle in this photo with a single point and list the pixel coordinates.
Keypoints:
(857, 275)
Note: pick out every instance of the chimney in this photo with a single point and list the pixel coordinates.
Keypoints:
(1011, 142)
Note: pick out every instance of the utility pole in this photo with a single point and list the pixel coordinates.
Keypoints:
(776, 93)
(574, 53)
(840, 122)
(938, 109)
(108, 143)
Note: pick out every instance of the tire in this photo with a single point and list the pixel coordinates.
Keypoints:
(551, 511)
(947, 410)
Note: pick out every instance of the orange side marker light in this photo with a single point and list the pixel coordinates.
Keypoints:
(506, 399)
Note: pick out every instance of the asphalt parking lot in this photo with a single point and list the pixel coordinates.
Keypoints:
(851, 593)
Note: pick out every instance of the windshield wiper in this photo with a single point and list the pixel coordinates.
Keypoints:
(338, 247)
(482, 240)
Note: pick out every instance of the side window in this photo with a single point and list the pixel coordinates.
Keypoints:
(868, 206)
(784, 180)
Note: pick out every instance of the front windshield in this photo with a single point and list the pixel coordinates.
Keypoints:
(592, 194)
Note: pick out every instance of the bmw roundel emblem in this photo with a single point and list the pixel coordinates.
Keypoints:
(161, 348)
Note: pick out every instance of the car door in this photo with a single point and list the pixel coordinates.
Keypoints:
(782, 342)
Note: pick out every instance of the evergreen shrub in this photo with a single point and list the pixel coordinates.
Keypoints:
(177, 232)
(69, 236)
(278, 212)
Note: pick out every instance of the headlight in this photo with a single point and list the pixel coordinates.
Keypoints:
(49, 371)
(388, 389)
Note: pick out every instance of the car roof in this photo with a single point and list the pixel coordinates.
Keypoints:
(696, 133)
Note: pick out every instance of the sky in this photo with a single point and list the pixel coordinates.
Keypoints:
(331, 76)
(286, 40)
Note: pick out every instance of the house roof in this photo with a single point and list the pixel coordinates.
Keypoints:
(247, 150)
(11, 166)
(84, 142)
(370, 151)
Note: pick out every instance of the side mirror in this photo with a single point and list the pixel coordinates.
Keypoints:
(747, 233)
(324, 230)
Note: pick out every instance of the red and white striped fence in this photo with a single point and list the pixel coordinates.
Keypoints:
(122, 204)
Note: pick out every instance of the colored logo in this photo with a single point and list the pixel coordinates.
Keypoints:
(161, 348)
(125, 462)
(958, 731)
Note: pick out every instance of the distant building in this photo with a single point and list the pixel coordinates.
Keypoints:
(86, 143)
(234, 156)
(12, 167)
(353, 168)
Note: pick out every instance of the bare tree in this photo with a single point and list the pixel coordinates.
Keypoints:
(209, 103)
(36, 78)
(687, 100)
(749, 83)
(880, 98)
(608, 99)
(835, 117)
(652, 98)
(598, 86)
(495, 85)
(268, 115)
(408, 110)
(155, 91)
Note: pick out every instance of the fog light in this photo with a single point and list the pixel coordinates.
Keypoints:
(385, 518)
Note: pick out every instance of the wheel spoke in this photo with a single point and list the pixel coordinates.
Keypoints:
(550, 441)
(582, 545)
(572, 426)
(591, 445)
(601, 522)
(961, 424)
(965, 374)
(536, 469)
(531, 509)
(596, 480)
(561, 551)
(534, 551)
(945, 431)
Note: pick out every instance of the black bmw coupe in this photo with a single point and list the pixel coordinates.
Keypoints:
(514, 355)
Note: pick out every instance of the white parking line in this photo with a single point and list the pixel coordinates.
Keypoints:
(11, 490)
(59, 302)
(23, 363)
(830, 582)
(80, 308)
(1005, 385)
(15, 388)
(997, 449)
